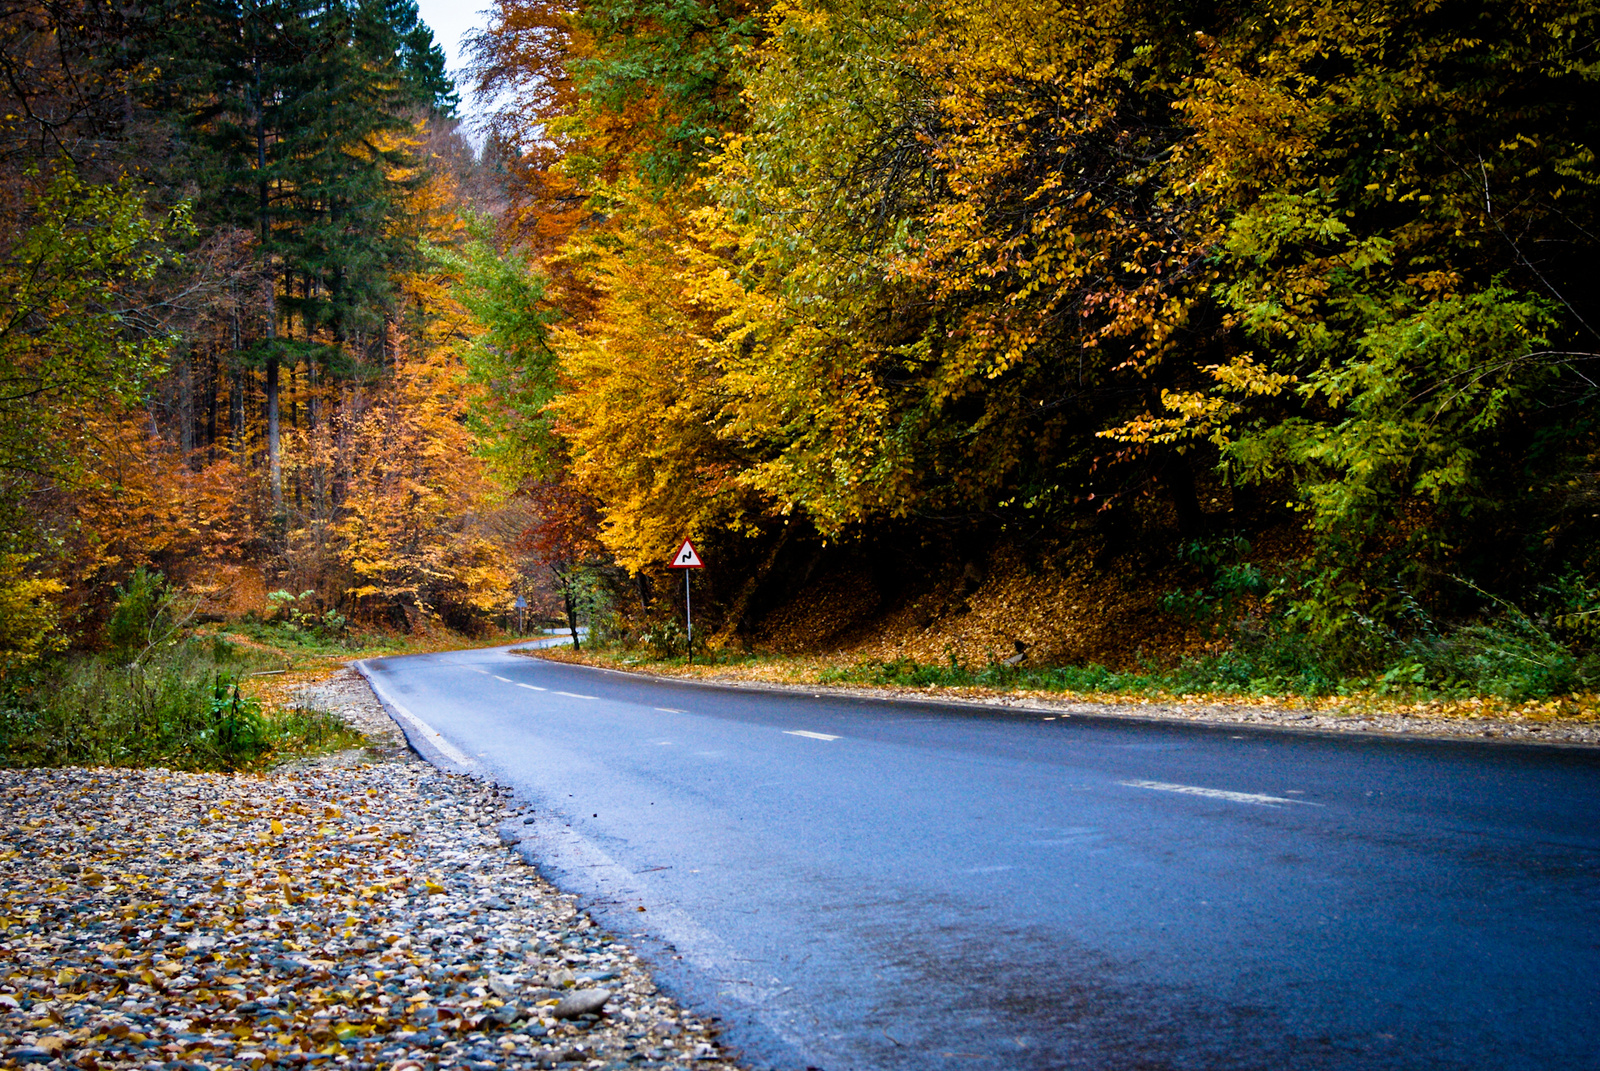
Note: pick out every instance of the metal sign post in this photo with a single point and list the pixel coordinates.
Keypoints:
(686, 559)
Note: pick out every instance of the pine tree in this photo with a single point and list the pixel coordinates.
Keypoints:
(294, 114)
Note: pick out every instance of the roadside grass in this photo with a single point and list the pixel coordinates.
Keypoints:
(1226, 679)
(182, 708)
(218, 697)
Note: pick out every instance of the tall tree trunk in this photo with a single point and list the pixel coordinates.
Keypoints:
(213, 389)
(236, 391)
(572, 617)
(186, 421)
(274, 459)
(236, 410)
(274, 462)
(1185, 502)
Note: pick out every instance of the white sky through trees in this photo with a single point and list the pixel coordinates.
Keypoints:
(450, 20)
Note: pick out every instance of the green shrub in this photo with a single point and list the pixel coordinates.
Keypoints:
(667, 639)
(148, 613)
(298, 614)
(177, 707)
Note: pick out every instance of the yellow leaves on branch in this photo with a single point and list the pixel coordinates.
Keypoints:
(643, 430)
(415, 529)
(27, 613)
(1202, 415)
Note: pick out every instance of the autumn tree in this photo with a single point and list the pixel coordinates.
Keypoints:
(1400, 204)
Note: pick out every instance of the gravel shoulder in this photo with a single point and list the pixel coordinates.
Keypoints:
(1480, 721)
(363, 910)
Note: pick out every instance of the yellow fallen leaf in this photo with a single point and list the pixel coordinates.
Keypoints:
(277, 828)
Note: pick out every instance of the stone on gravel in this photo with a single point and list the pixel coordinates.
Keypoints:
(582, 1002)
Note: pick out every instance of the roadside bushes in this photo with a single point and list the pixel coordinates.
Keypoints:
(1270, 640)
(159, 696)
(178, 710)
(183, 710)
(1510, 656)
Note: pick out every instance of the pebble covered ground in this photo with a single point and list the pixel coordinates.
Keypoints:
(360, 911)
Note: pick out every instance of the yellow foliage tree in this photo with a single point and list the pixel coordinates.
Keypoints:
(28, 619)
(643, 430)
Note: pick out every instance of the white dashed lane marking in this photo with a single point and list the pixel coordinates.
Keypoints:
(531, 687)
(575, 695)
(1217, 793)
(506, 679)
(808, 735)
(671, 710)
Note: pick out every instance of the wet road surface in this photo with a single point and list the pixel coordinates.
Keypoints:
(852, 884)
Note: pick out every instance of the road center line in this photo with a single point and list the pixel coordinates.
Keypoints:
(809, 736)
(532, 687)
(506, 679)
(1217, 793)
(671, 710)
(575, 695)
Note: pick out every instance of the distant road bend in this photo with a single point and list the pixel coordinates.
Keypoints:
(854, 884)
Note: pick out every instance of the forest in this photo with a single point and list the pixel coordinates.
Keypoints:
(1264, 332)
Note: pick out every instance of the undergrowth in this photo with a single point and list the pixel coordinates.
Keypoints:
(183, 709)
(1265, 639)
(162, 695)
(1512, 659)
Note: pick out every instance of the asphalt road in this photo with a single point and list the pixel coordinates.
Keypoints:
(853, 884)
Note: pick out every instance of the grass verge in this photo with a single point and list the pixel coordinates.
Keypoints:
(1197, 683)
(187, 707)
(216, 698)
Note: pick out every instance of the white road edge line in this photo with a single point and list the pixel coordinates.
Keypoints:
(575, 695)
(429, 733)
(1217, 793)
(808, 736)
(531, 687)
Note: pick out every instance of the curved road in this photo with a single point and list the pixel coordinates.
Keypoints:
(854, 884)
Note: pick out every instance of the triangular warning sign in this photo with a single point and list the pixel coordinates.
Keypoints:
(687, 558)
